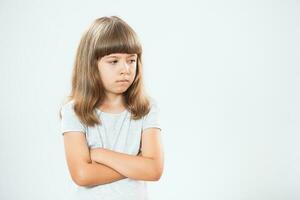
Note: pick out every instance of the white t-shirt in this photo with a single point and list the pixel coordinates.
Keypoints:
(118, 133)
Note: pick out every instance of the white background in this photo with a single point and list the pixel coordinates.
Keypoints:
(225, 75)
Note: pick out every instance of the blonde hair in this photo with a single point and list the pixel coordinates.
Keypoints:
(104, 36)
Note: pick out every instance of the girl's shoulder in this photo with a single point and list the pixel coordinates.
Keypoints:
(69, 103)
(67, 106)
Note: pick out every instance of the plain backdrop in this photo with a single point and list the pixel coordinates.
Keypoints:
(224, 73)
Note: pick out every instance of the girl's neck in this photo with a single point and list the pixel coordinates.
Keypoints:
(113, 103)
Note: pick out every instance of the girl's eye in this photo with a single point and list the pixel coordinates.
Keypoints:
(113, 62)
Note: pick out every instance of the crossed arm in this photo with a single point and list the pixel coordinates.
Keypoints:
(97, 166)
(148, 165)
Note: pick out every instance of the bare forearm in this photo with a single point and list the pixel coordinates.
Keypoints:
(98, 174)
(131, 166)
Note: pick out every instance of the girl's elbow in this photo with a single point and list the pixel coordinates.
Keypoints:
(157, 174)
(79, 178)
(80, 182)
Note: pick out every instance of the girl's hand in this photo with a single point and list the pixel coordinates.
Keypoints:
(94, 153)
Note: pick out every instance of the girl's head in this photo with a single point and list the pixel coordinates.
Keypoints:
(109, 51)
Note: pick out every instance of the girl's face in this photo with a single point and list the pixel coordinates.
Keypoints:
(117, 71)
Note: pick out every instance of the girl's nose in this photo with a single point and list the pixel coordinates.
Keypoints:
(125, 67)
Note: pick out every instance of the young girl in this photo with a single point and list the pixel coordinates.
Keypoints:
(110, 125)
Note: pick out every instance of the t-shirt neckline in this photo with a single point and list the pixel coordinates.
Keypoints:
(111, 114)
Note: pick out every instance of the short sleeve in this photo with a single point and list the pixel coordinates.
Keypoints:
(69, 120)
(152, 119)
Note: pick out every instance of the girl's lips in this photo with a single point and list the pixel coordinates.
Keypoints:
(123, 81)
